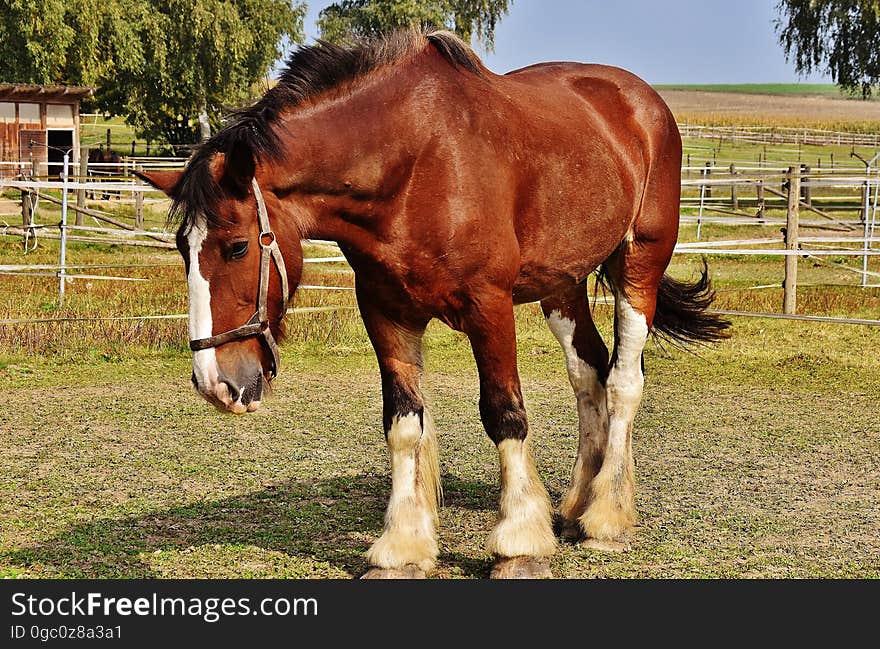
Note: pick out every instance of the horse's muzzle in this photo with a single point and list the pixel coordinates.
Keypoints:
(229, 395)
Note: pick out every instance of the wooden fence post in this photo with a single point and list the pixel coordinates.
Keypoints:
(706, 175)
(760, 188)
(26, 207)
(734, 193)
(806, 190)
(83, 178)
(138, 208)
(109, 141)
(789, 300)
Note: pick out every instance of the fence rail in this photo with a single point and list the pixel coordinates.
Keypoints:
(779, 135)
(845, 199)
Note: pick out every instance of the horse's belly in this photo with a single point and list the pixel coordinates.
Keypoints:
(561, 246)
(545, 276)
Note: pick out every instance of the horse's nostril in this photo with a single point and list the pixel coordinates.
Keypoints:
(253, 390)
(234, 392)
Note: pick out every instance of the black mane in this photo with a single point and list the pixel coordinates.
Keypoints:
(311, 70)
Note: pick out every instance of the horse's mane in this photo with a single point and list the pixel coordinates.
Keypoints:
(311, 71)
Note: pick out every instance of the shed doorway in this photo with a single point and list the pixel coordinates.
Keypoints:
(59, 141)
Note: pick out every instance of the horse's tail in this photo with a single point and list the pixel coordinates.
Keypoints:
(682, 316)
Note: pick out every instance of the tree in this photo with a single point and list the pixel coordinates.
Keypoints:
(34, 39)
(198, 58)
(840, 36)
(467, 18)
(170, 67)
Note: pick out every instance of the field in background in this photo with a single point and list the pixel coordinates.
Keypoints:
(792, 89)
(722, 108)
(755, 458)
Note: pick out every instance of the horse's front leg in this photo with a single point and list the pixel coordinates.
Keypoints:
(522, 540)
(408, 545)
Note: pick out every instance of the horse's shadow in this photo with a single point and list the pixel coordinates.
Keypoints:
(327, 521)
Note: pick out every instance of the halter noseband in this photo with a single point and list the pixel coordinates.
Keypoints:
(258, 325)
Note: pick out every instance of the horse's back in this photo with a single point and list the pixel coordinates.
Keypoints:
(611, 92)
(595, 132)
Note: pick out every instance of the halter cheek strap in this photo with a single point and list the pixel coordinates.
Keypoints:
(258, 324)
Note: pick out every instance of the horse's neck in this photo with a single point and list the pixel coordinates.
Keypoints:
(348, 182)
(351, 159)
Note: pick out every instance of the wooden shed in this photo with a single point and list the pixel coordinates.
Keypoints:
(37, 123)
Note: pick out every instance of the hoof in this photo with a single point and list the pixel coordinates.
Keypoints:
(567, 530)
(605, 546)
(521, 568)
(409, 571)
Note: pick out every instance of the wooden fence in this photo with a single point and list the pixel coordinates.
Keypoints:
(840, 201)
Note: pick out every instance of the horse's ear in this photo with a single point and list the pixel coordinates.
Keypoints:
(165, 181)
(234, 170)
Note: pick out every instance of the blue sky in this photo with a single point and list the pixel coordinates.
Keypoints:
(662, 41)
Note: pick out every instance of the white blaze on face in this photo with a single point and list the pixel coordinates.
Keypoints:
(200, 321)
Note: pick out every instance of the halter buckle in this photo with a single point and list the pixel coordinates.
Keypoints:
(267, 239)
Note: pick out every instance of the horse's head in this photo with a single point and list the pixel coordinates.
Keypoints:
(243, 262)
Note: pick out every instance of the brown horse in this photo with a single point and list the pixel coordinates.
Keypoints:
(454, 193)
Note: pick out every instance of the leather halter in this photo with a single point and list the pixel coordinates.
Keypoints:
(258, 325)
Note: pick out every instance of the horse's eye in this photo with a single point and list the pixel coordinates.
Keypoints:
(238, 249)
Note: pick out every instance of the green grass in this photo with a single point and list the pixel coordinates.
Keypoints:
(756, 458)
(93, 132)
(726, 150)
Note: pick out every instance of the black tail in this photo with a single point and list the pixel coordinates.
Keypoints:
(681, 317)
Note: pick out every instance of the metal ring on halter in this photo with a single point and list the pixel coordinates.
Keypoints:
(258, 324)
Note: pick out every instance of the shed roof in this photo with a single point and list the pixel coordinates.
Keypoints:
(35, 92)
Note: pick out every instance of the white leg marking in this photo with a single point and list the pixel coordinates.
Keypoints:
(592, 417)
(583, 377)
(612, 510)
(625, 381)
(409, 536)
(523, 527)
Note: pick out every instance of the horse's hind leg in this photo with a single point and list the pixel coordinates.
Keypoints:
(408, 545)
(586, 359)
(634, 272)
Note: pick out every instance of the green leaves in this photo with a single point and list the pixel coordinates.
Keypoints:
(158, 63)
(467, 18)
(34, 38)
(200, 56)
(841, 37)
